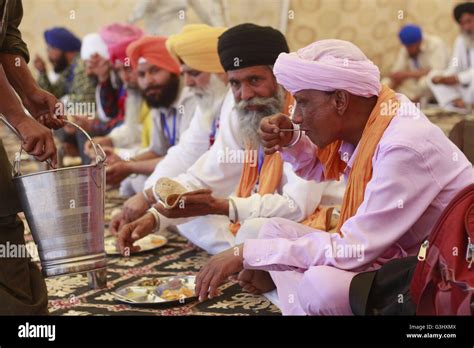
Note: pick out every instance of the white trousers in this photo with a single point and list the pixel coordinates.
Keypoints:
(211, 232)
(445, 94)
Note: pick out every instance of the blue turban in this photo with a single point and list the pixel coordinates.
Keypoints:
(62, 39)
(410, 34)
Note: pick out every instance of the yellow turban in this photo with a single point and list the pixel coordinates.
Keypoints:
(196, 46)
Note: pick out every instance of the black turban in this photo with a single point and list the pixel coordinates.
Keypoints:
(459, 10)
(247, 45)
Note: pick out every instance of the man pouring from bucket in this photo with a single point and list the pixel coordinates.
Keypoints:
(22, 288)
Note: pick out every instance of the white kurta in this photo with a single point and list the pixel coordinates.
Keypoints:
(128, 135)
(461, 65)
(295, 198)
(194, 142)
(185, 107)
(433, 55)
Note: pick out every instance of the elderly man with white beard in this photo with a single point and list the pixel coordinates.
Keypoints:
(196, 49)
(236, 186)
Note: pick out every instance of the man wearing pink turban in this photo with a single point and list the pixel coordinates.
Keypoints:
(399, 170)
(118, 94)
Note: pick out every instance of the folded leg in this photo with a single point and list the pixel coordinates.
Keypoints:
(210, 233)
(283, 228)
(321, 290)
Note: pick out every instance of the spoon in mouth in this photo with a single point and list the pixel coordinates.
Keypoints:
(293, 130)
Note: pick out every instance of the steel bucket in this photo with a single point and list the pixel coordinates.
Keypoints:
(65, 212)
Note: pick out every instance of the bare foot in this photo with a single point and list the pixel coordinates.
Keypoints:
(255, 282)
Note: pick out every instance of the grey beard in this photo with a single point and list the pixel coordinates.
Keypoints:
(210, 99)
(133, 103)
(249, 121)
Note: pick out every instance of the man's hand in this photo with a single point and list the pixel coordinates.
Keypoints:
(218, 269)
(271, 138)
(135, 207)
(459, 103)
(45, 108)
(134, 231)
(102, 141)
(398, 77)
(37, 140)
(100, 67)
(445, 80)
(116, 223)
(112, 157)
(117, 172)
(39, 64)
(89, 149)
(85, 122)
(196, 203)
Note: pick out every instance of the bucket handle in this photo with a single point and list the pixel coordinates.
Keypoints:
(16, 166)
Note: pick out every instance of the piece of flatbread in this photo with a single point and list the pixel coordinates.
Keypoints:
(169, 191)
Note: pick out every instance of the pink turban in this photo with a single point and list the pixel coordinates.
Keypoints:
(328, 65)
(117, 37)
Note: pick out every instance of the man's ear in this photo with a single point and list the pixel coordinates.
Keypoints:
(341, 101)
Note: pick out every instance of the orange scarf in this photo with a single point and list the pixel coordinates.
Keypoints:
(270, 175)
(361, 172)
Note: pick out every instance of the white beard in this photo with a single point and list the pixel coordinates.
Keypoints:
(209, 99)
(468, 39)
(133, 103)
(249, 121)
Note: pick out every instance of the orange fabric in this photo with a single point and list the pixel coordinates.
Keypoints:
(271, 172)
(321, 219)
(361, 172)
(153, 49)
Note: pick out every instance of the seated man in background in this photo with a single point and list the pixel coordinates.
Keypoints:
(119, 93)
(421, 53)
(401, 172)
(95, 54)
(63, 49)
(171, 109)
(196, 48)
(238, 187)
(454, 87)
(73, 85)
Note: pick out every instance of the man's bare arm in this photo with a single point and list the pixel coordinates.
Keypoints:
(41, 104)
(37, 140)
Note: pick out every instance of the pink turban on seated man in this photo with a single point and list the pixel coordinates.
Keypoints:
(117, 37)
(327, 65)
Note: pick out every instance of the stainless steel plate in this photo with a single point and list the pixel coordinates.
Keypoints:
(150, 291)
